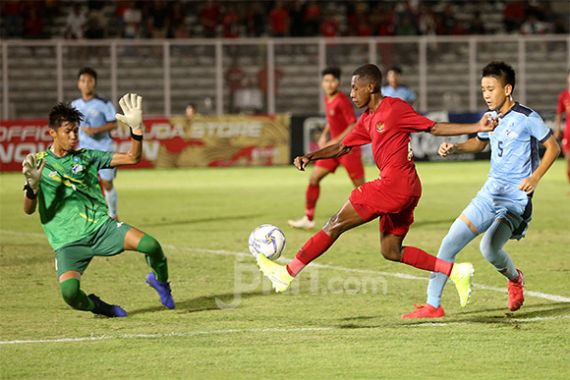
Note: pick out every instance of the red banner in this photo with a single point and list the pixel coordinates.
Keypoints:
(231, 140)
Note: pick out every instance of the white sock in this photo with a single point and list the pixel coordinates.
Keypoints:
(111, 198)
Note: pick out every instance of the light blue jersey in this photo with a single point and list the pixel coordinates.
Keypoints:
(514, 157)
(401, 92)
(96, 112)
(514, 144)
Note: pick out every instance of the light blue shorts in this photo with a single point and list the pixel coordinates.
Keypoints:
(500, 201)
(108, 174)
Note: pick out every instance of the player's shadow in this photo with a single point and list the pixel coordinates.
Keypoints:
(554, 310)
(204, 303)
(166, 222)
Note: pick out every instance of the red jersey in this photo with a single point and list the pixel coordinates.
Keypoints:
(388, 128)
(564, 106)
(340, 113)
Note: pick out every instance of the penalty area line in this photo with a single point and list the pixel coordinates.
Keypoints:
(166, 335)
(405, 276)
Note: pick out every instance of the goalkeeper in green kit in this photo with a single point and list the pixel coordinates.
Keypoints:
(62, 182)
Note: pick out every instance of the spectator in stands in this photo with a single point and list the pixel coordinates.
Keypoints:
(159, 22)
(312, 18)
(255, 20)
(279, 20)
(75, 23)
(296, 15)
(191, 111)
(533, 26)
(95, 26)
(178, 27)
(329, 27)
(395, 88)
(13, 21)
(33, 23)
(477, 25)
(235, 81)
(209, 17)
(132, 18)
(514, 13)
(230, 22)
(448, 22)
(406, 26)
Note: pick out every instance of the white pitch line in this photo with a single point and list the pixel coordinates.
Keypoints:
(167, 335)
(531, 293)
(222, 252)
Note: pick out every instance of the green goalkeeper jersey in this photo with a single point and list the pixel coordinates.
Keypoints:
(70, 201)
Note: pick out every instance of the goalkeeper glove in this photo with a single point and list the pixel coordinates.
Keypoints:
(32, 170)
(131, 104)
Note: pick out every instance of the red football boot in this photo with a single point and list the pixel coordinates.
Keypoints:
(516, 295)
(425, 311)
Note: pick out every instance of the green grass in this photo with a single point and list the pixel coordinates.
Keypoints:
(336, 323)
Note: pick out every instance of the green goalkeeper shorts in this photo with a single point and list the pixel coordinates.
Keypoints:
(108, 240)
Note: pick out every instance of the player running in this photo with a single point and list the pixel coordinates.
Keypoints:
(563, 110)
(340, 121)
(94, 132)
(503, 207)
(387, 124)
(63, 182)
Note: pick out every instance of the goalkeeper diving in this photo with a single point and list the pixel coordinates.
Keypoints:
(62, 183)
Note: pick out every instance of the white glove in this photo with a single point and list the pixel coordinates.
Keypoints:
(32, 171)
(131, 104)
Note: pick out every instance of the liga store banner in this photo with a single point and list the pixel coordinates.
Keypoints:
(229, 140)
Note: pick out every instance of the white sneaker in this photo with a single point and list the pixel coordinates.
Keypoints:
(304, 223)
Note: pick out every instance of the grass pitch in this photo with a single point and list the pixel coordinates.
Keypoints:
(342, 318)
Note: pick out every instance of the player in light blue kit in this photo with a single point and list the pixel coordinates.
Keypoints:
(395, 88)
(503, 207)
(95, 129)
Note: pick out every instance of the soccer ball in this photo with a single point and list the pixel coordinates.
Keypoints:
(267, 240)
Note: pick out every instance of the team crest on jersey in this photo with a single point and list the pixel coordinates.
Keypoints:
(77, 168)
(380, 127)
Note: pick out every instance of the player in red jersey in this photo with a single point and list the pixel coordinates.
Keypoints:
(563, 110)
(387, 124)
(340, 121)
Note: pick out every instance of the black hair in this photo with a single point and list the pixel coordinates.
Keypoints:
(500, 70)
(89, 71)
(62, 112)
(334, 71)
(371, 72)
(193, 105)
(395, 69)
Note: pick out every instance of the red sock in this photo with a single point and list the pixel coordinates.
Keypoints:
(313, 248)
(311, 197)
(422, 260)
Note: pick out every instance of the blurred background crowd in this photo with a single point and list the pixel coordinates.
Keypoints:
(96, 19)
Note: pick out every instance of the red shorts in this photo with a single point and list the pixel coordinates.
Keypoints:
(381, 198)
(352, 162)
(566, 139)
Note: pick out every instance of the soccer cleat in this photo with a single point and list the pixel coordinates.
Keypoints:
(103, 308)
(516, 293)
(163, 290)
(425, 311)
(304, 223)
(277, 274)
(461, 275)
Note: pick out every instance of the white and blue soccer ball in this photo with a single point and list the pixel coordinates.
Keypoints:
(267, 240)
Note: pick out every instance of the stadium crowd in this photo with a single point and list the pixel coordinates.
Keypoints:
(293, 18)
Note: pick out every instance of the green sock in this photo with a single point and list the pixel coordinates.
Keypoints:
(74, 296)
(154, 257)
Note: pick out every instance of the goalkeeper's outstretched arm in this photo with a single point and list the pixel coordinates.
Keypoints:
(131, 104)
